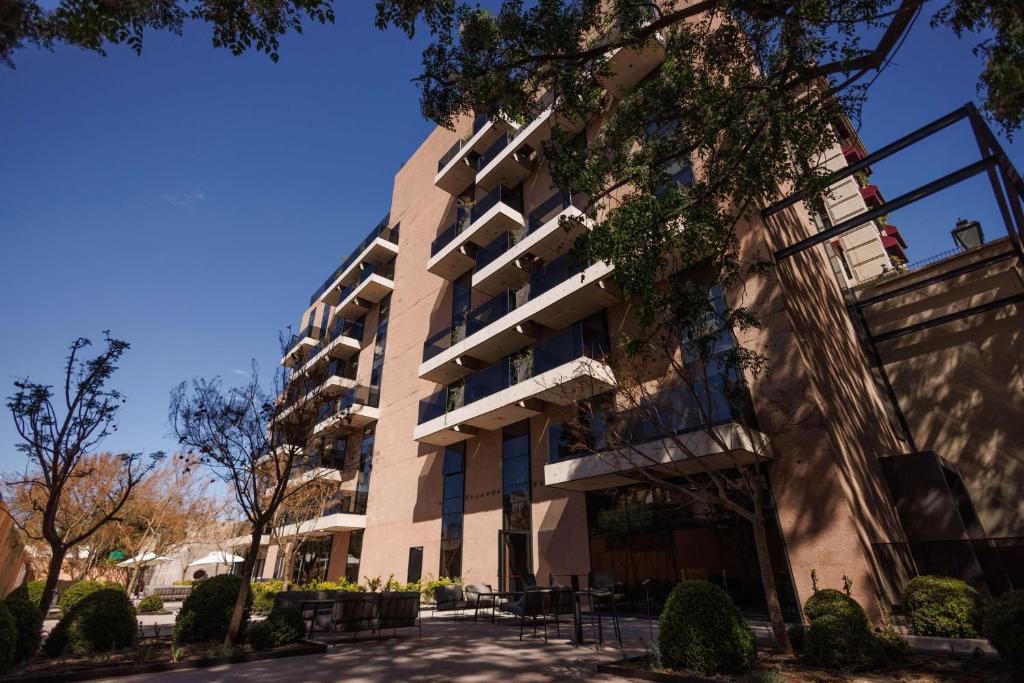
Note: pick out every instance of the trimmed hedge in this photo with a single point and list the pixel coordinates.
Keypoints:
(704, 632)
(35, 590)
(1004, 626)
(206, 612)
(76, 592)
(8, 638)
(942, 606)
(832, 602)
(102, 621)
(26, 619)
(263, 593)
(842, 642)
(151, 603)
(283, 626)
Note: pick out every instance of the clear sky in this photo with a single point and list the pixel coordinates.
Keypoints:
(191, 201)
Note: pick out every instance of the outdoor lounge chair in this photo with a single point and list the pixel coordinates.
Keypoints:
(398, 610)
(450, 599)
(476, 597)
(531, 605)
(355, 612)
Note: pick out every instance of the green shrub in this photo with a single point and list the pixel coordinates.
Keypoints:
(35, 591)
(206, 612)
(151, 603)
(796, 637)
(831, 602)
(1004, 626)
(894, 647)
(263, 593)
(102, 621)
(8, 638)
(841, 641)
(76, 592)
(283, 626)
(342, 584)
(942, 606)
(428, 585)
(26, 619)
(703, 631)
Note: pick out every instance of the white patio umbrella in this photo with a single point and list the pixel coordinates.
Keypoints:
(143, 559)
(216, 558)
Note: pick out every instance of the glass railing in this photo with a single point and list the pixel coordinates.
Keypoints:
(296, 338)
(479, 121)
(489, 312)
(452, 152)
(342, 368)
(385, 270)
(551, 207)
(356, 396)
(380, 230)
(583, 339)
(511, 198)
(494, 150)
(443, 339)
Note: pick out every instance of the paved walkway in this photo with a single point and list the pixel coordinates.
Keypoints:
(448, 651)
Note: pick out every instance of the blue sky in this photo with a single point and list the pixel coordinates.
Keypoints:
(191, 201)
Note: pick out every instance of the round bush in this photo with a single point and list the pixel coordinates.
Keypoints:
(35, 591)
(833, 603)
(1004, 626)
(151, 603)
(100, 622)
(206, 612)
(76, 592)
(26, 619)
(703, 631)
(942, 606)
(841, 642)
(8, 638)
(283, 626)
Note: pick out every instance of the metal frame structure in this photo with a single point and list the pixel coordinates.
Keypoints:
(1008, 190)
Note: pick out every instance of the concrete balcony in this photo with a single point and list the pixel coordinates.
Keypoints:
(498, 212)
(300, 347)
(378, 247)
(629, 65)
(354, 409)
(556, 296)
(375, 282)
(559, 370)
(456, 170)
(662, 456)
(343, 339)
(506, 261)
(512, 158)
(346, 513)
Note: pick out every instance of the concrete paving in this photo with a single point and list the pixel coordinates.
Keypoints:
(449, 650)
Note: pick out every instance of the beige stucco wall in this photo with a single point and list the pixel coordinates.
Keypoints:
(961, 385)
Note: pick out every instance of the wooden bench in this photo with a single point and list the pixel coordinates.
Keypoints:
(172, 593)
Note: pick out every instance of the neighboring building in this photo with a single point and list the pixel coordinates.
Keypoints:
(14, 558)
(961, 387)
(424, 330)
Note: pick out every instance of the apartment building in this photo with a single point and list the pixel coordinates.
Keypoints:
(459, 334)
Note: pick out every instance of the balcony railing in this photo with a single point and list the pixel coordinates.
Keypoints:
(344, 502)
(577, 341)
(380, 230)
(551, 207)
(463, 219)
(494, 150)
(385, 270)
(307, 331)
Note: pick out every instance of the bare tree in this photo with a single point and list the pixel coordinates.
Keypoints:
(254, 442)
(678, 416)
(56, 436)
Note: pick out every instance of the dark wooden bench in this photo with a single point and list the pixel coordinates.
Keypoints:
(172, 593)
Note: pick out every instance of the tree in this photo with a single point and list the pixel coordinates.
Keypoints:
(237, 25)
(56, 436)
(739, 109)
(254, 442)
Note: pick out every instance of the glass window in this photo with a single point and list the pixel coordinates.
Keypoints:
(515, 476)
(452, 507)
(355, 552)
(311, 560)
(415, 571)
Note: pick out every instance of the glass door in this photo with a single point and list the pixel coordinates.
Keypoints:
(513, 559)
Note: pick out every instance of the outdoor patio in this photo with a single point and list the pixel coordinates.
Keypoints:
(450, 650)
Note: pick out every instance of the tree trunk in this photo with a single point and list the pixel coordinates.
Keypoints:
(50, 588)
(235, 625)
(771, 593)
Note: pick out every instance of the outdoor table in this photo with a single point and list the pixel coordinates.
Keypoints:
(315, 605)
(577, 616)
(495, 596)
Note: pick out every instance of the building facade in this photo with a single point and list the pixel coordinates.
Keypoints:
(459, 334)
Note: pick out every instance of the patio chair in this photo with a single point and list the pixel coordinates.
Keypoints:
(355, 612)
(450, 599)
(561, 600)
(475, 595)
(531, 605)
(398, 610)
(602, 592)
